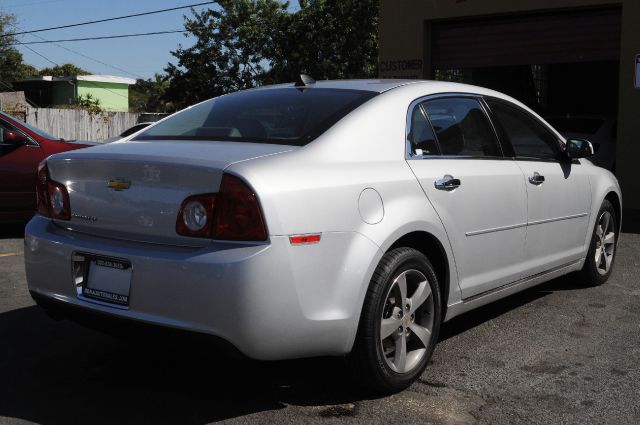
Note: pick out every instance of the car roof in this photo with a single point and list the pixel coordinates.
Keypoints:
(385, 85)
(372, 85)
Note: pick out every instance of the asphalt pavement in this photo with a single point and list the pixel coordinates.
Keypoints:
(557, 353)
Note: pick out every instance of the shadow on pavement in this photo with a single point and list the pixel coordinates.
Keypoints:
(631, 221)
(12, 230)
(57, 372)
(489, 312)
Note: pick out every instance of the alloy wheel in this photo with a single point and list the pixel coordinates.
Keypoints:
(407, 321)
(605, 243)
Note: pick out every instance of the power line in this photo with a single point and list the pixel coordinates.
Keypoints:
(96, 60)
(107, 20)
(41, 55)
(56, 64)
(106, 37)
(87, 81)
(76, 53)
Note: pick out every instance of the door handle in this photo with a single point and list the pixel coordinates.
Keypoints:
(537, 179)
(447, 183)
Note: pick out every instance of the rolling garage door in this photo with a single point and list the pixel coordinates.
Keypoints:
(560, 37)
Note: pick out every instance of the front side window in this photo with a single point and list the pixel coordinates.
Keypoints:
(461, 127)
(528, 137)
(286, 116)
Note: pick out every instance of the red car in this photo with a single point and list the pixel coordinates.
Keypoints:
(22, 147)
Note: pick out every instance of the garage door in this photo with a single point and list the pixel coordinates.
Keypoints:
(565, 37)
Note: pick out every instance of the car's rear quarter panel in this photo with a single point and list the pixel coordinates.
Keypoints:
(316, 189)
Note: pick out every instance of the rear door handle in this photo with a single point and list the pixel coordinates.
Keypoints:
(537, 179)
(447, 183)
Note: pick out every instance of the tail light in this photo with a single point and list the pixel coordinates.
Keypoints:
(231, 214)
(52, 198)
(196, 216)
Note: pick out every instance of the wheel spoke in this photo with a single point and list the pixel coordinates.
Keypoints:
(420, 296)
(609, 238)
(606, 218)
(598, 256)
(389, 326)
(608, 258)
(400, 359)
(599, 230)
(423, 334)
(401, 281)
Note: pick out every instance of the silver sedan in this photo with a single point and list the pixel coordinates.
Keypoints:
(345, 218)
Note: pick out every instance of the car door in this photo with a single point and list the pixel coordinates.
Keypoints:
(18, 165)
(477, 192)
(558, 191)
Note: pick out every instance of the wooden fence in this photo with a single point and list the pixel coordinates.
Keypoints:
(73, 124)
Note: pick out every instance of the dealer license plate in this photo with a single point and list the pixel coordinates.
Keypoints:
(108, 280)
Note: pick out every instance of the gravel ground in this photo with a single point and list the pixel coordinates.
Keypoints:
(558, 353)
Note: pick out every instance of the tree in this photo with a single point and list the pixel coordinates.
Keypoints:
(148, 95)
(246, 43)
(64, 70)
(233, 45)
(329, 39)
(12, 67)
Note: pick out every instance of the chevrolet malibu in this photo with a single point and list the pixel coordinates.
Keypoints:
(345, 218)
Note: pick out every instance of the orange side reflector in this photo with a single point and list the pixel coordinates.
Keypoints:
(304, 239)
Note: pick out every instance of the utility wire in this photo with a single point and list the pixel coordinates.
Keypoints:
(106, 37)
(41, 55)
(107, 20)
(76, 53)
(87, 81)
(56, 64)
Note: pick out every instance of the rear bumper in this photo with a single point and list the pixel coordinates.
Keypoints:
(270, 301)
(132, 329)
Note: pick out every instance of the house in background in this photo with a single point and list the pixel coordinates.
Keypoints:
(111, 91)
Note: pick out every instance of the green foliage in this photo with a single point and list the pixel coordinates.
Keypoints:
(11, 66)
(84, 102)
(64, 70)
(247, 43)
(329, 39)
(148, 95)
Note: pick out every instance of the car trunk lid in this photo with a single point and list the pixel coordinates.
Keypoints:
(134, 190)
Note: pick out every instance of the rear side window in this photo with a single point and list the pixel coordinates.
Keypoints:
(423, 140)
(528, 137)
(461, 127)
(286, 116)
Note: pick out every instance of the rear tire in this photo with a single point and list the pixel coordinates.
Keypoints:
(399, 324)
(602, 249)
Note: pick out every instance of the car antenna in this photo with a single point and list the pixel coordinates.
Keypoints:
(305, 80)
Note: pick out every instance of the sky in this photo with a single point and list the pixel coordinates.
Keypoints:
(137, 57)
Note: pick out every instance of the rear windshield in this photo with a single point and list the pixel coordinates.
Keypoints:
(285, 116)
(576, 125)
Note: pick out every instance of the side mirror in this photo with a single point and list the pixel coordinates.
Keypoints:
(579, 148)
(14, 138)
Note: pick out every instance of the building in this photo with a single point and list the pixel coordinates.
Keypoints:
(112, 92)
(557, 56)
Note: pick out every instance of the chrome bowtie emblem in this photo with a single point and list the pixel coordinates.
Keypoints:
(118, 184)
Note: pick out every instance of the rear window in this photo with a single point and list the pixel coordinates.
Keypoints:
(576, 125)
(286, 116)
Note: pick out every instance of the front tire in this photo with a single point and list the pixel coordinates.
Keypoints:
(399, 324)
(601, 255)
